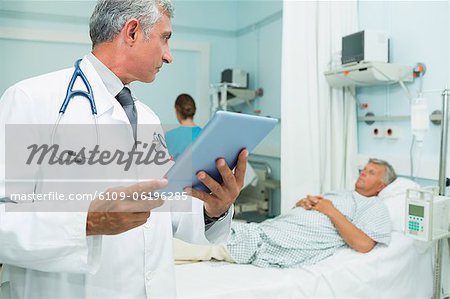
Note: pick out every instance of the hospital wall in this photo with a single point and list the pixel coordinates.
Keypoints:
(37, 37)
(419, 32)
(259, 52)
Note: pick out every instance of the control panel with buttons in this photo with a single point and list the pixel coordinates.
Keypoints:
(427, 215)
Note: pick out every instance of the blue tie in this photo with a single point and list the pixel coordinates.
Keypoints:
(126, 100)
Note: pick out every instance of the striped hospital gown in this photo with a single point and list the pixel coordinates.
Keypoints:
(303, 237)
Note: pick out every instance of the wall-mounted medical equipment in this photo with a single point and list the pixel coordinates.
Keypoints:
(235, 77)
(368, 74)
(427, 215)
(365, 62)
(225, 97)
(366, 45)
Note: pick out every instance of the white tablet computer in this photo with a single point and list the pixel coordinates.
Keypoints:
(224, 136)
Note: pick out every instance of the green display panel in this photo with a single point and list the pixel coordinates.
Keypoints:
(416, 210)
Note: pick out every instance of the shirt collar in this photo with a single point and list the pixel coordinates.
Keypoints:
(111, 81)
(356, 194)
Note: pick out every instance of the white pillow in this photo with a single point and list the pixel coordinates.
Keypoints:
(394, 196)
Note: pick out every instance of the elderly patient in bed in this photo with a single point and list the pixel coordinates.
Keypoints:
(317, 226)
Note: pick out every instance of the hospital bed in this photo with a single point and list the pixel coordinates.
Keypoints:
(401, 270)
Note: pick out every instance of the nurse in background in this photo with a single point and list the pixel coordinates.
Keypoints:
(180, 138)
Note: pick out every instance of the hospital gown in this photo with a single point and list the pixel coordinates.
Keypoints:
(304, 237)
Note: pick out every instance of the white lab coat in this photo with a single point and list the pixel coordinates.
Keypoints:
(48, 255)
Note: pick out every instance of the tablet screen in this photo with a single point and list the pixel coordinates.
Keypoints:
(225, 135)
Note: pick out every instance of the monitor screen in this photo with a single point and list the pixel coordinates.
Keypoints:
(353, 47)
(417, 211)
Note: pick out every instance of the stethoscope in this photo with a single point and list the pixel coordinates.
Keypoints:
(89, 95)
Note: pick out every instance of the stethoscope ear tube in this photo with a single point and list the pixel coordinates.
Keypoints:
(89, 95)
(71, 93)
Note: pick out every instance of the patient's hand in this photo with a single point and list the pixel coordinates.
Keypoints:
(324, 206)
(309, 201)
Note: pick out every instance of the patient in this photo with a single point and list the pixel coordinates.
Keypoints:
(319, 225)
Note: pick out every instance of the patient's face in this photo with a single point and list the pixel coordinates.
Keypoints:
(370, 181)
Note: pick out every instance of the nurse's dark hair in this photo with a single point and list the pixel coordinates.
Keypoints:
(389, 172)
(185, 106)
(110, 16)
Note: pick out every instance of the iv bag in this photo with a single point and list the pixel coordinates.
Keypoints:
(419, 119)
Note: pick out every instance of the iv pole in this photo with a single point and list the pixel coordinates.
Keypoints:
(437, 289)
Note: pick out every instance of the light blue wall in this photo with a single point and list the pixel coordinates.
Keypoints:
(419, 32)
(208, 15)
(213, 22)
(259, 52)
(24, 59)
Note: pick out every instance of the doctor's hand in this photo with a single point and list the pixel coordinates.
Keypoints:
(223, 195)
(123, 208)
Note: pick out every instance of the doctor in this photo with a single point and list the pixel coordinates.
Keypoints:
(109, 250)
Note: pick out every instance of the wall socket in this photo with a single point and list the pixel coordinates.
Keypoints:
(378, 132)
(392, 132)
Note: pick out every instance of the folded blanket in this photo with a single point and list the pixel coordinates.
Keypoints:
(191, 253)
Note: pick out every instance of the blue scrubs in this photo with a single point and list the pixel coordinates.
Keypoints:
(180, 138)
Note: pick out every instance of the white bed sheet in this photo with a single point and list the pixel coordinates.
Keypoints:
(401, 270)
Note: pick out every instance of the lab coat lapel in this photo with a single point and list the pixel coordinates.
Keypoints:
(103, 99)
(109, 110)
